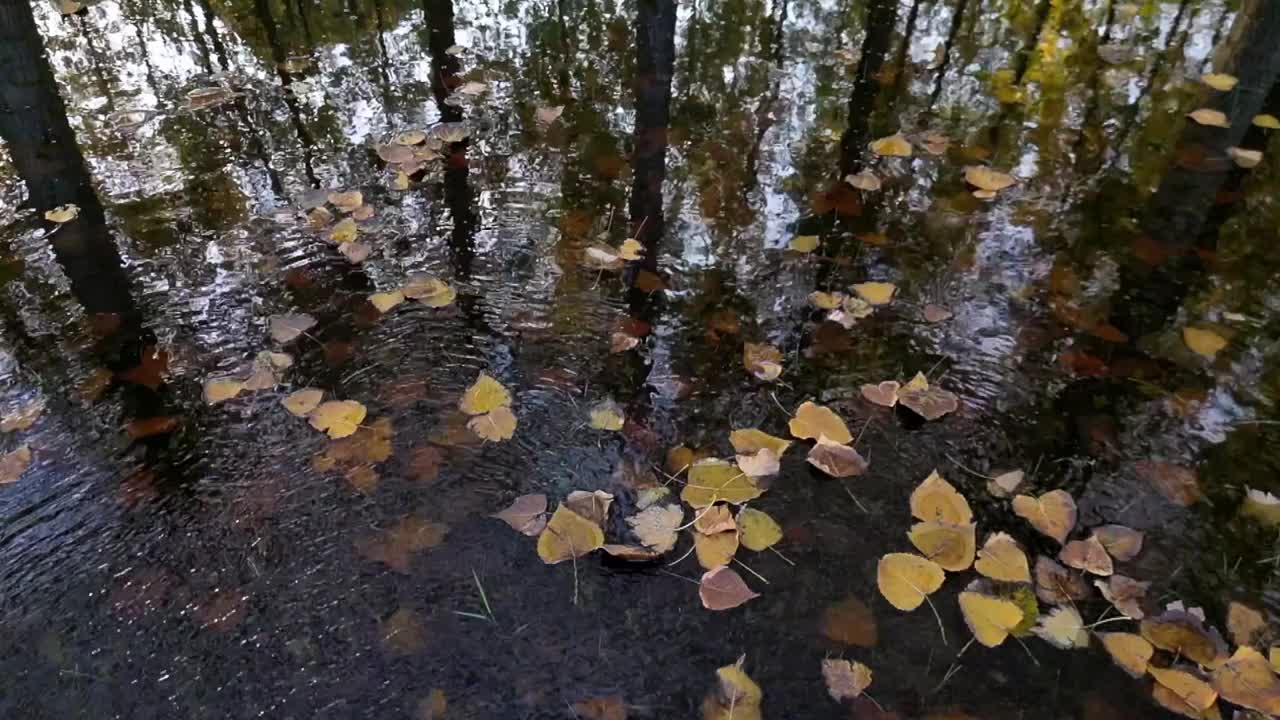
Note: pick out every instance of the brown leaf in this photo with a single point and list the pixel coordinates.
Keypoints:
(1057, 585)
(402, 633)
(609, 707)
(884, 394)
(1088, 555)
(1185, 634)
(723, 589)
(152, 426)
(424, 463)
(836, 460)
(1125, 594)
(850, 622)
(1245, 624)
(1247, 679)
(593, 506)
(715, 519)
(1122, 543)
(396, 546)
(763, 361)
(931, 403)
(433, 706)
(1177, 484)
(14, 464)
(527, 515)
(936, 313)
(153, 366)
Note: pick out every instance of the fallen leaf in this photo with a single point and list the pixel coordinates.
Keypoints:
(631, 249)
(850, 622)
(430, 291)
(1005, 484)
(285, 328)
(856, 308)
(1186, 687)
(884, 394)
(318, 217)
(712, 480)
(1125, 594)
(936, 313)
(1088, 555)
(394, 153)
(609, 707)
(472, 87)
(892, 146)
(402, 633)
(952, 547)
(433, 707)
(715, 550)
(845, 679)
(1002, 559)
(593, 506)
(723, 589)
(547, 115)
(152, 426)
(1244, 157)
(1203, 342)
(1248, 680)
(1063, 628)
(1131, 652)
(736, 697)
(631, 553)
(346, 202)
(715, 519)
(763, 361)
(13, 464)
(917, 383)
(905, 580)
(527, 514)
(836, 460)
(301, 402)
(936, 143)
(1261, 506)
(864, 181)
(875, 293)
(1210, 118)
(984, 178)
(1244, 624)
(757, 530)
(814, 421)
(1221, 82)
(985, 194)
(931, 403)
(396, 546)
(655, 526)
(355, 252)
(62, 213)
(602, 257)
(495, 426)
(990, 619)
(568, 535)
(1122, 543)
(216, 390)
(1056, 585)
(1267, 122)
(1053, 514)
(825, 300)
(1185, 634)
(762, 463)
(384, 301)
(1175, 483)
(804, 243)
(338, 418)
(936, 499)
(484, 395)
(607, 415)
(751, 440)
(400, 182)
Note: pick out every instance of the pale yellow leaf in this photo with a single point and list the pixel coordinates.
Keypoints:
(875, 293)
(1203, 342)
(814, 421)
(302, 402)
(384, 301)
(892, 146)
(1221, 82)
(1210, 118)
(218, 390)
(991, 619)
(484, 395)
(936, 499)
(496, 425)
(62, 213)
(905, 580)
(713, 480)
(804, 243)
(607, 415)
(338, 418)
(984, 178)
(757, 530)
(1002, 559)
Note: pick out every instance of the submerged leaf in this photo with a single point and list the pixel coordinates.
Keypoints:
(338, 418)
(13, 464)
(724, 589)
(527, 514)
(814, 421)
(905, 580)
(607, 415)
(850, 622)
(1177, 484)
(836, 460)
(568, 535)
(845, 679)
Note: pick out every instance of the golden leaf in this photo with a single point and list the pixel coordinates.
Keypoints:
(1001, 559)
(496, 425)
(804, 243)
(62, 213)
(1203, 342)
(1053, 514)
(845, 679)
(736, 688)
(568, 535)
(339, 418)
(14, 464)
(715, 550)
(429, 291)
(1187, 687)
(1210, 118)
(631, 249)
(825, 300)
(751, 440)
(762, 360)
(346, 202)
(950, 546)
(757, 530)
(1185, 634)
(984, 178)
(1063, 628)
(892, 146)
(991, 619)
(302, 402)
(905, 580)
(400, 182)
(712, 481)
(1244, 623)
(384, 301)
(936, 499)
(218, 390)
(1131, 652)
(875, 293)
(1268, 122)
(1247, 679)
(606, 415)
(917, 383)
(484, 395)
(814, 421)
(1221, 82)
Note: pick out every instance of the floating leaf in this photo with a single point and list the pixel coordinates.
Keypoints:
(715, 519)
(593, 505)
(836, 460)
(905, 580)
(845, 679)
(762, 463)
(884, 394)
(1056, 585)
(607, 415)
(931, 403)
(285, 328)
(394, 153)
(484, 395)
(656, 525)
(751, 440)
(1210, 118)
(763, 361)
(950, 546)
(1125, 594)
(384, 301)
(985, 194)
(757, 530)
(1203, 342)
(936, 313)
(401, 181)
(1248, 680)
(892, 146)
(568, 535)
(14, 464)
(602, 257)
(62, 213)
(429, 291)
(864, 181)
(1244, 157)
(1131, 652)
(318, 217)
(1267, 122)
(936, 499)
(1122, 543)
(302, 402)
(495, 426)
(917, 383)
(737, 695)
(527, 514)
(935, 143)
(856, 308)
(1088, 555)
(1261, 506)
(825, 300)
(1221, 82)
(339, 418)
(1185, 634)
(473, 87)
(1005, 484)
(875, 293)
(724, 589)
(984, 178)
(713, 480)
(218, 390)
(355, 252)
(1063, 628)
(547, 115)
(804, 243)
(631, 249)
(715, 550)
(1177, 484)
(850, 622)
(1186, 687)
(1002, 559)
(346, 202)
(1244, 624)
(990, 619)
(814, 421)
(24, 417)
(1053, 514)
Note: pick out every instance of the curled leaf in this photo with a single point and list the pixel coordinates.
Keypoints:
(836, 460)
(1125, 594)
(526, 515)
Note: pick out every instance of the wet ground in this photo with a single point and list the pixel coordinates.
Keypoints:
(163, 557)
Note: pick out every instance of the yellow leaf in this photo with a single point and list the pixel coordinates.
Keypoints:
(737, 688)
(1245, 157)
(347, 202)
(984, 178)
(1203, 342)
(751, 440)
(1053, 514)
(62, 213)
(1268, 122)
(804, 243)
(496, 425)
(429, 291)
(631, 249)
(606, 415)
(892, 146)
(344, 232)
(757, 530)
(917, 383)
(984, 194)
(339, 418)
(568, 535)
(836, 460)
(1063, 628)
(905, 580)
(763, 361)
(400, 182)
(1131, 652)
(991, 619)
(814, 421)
(1273, 656)
(1001, 559)
(384, 301)
(217, 390)
(302, 402)
(950, 546)
(1187, 687)
(715, 550)
(1221, 82)
(937, 499)
(1247, 679)
(825, 300)
(875, 293)
(1210, 118)
(712, 481)
(484, 395)
(14, 464)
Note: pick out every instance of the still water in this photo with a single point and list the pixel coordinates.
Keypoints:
(164, 557)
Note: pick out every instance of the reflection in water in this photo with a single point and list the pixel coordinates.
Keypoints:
(723, 128)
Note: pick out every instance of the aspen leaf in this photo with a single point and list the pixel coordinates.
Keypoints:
(825, 300)
(985, 194)
(1185, 634)
(62, 213)
(990, 619)
(1053, 514)
(845, 679)
(302, 402)
(1187, 687)
(549, 114)
(218, 390)
(1063, 628)
(430, 291)
(984, 178)
(713, 480)
(875, 293)
(936, 499)
(527, 514)
(285, 328)
(905, 580)
(400, 181)
(936, 313)
(751, 440)
(762, 463)
(346, 202)
(1244, 623)
(631, 249)
(1261, 506)
(25, 416)
(804, 243)
(814, 421)
(1125, 594)
(1131, 652)
(1122, 543)
(1221, 82)
(1088, 555)
(1248, 680)
(496, 425)
(736, 688)
(892, 146)
(850, 622)
(631, 553)
(655, 526)
(757, 530)
(607, 415)
(715, 550)
(568, 535)
(1056, 585)
(864, 181)
(1210, 118)
(855, 307)
(714, 519)
(723, 589)
(484, 395)
(1175, 483)
(931, 403)
(763, 361)
(836, 460)
(394, 153)
(384, 301)
(950, 546)
(1203, 342)
(1244, 157)
(917, 383)
(884, 394)
(592, 505)
(13, 464)
(1267, 122)
(338, 418)
(1002, 559)
(472, 87)
(602, 257)
(1004, 484)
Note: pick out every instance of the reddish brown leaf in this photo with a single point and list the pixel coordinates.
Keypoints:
(724, 589)
(1177, 484)
(148, 427)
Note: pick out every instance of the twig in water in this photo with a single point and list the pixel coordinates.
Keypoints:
(941, 630)
(967, 469)
(854, 498)
(785, 559)
(775, 402)
(753, 572)
(682, 557)
(865, 425)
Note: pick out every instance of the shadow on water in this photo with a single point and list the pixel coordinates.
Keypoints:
(164, 556)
